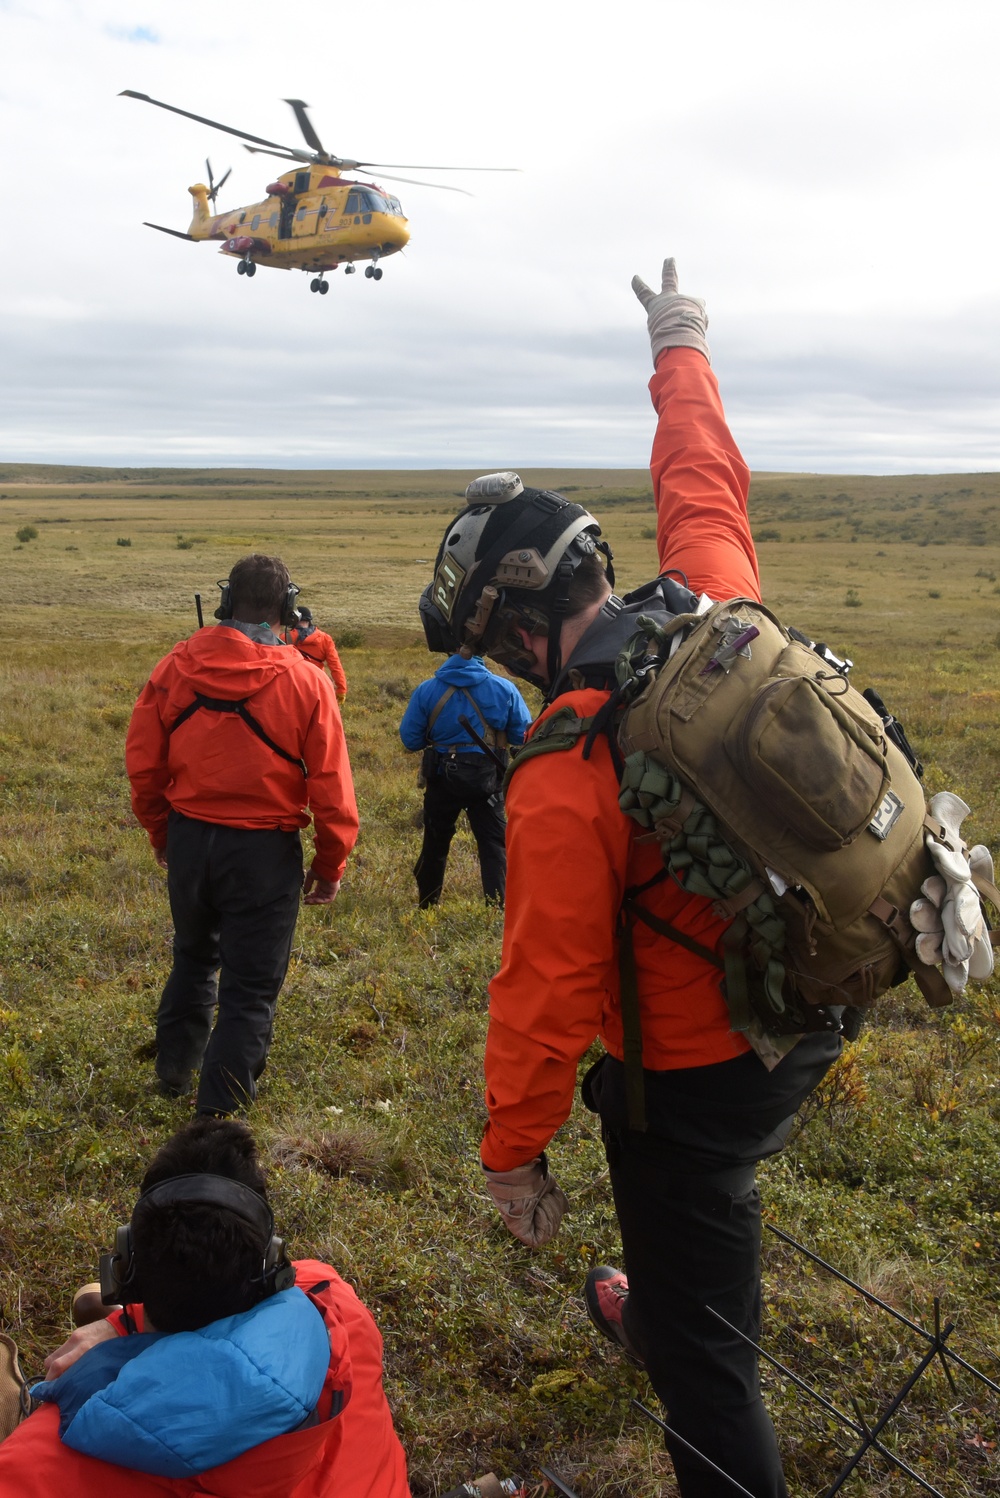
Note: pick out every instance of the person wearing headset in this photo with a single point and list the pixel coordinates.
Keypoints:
(234, 741)
(226, 1370)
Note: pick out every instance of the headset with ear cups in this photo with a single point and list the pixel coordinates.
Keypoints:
(120, 1281)
(289, 613)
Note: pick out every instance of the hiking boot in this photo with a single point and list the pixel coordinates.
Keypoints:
(606, 1292)
(173, 1087)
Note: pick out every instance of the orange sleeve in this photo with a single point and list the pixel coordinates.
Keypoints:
(336, 669)
(330, 786)
(146, 749)
(567, 852)
(700, 482)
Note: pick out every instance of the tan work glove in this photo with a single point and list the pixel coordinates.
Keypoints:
(674, 321)
(949, 917)
(529, 1201)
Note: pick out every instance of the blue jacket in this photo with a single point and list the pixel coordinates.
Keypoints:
(177, 1405)
(499, 701)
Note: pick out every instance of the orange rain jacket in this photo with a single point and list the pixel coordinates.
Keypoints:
(319, 647)
(354, 1455)
(215, 769)
(571, 853)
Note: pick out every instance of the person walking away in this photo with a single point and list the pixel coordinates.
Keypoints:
(524, 577)
(317, 646)
(234, 741)
(461, 774)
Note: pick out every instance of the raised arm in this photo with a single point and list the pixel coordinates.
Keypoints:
(700, 480)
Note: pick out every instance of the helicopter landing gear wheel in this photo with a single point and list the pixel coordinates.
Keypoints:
(350, 270)
(246, 267)
(376, 273)
(314, 284)
(241, 267)
(369, 271)
(323, 288)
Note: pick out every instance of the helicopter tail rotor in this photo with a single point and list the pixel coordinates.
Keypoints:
(213, 186)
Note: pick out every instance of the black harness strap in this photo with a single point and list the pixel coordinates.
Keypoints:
(226, 705)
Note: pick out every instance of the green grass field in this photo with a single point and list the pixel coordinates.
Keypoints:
(370, 1110)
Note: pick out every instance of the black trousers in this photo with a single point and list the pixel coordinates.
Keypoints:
(689, 1214)
(472, 787)
(234, 897)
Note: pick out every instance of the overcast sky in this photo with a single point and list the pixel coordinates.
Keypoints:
(826, 176)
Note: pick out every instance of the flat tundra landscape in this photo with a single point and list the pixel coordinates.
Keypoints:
(370, 1110)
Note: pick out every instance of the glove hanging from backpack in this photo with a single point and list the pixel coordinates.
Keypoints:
(948, 917)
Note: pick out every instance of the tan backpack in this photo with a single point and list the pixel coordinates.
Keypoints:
(775, 790)
(779, 792)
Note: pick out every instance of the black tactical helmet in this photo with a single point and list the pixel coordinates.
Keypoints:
(507, 562)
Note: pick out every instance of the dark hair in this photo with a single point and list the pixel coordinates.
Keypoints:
(589, 585)
(197, 1263)
(258, 585)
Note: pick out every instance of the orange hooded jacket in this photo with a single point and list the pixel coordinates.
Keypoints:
(319, 647)
(571, 853)
(214, 768)
(356, 1454)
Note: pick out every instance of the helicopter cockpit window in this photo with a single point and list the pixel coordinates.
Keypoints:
(353, 204)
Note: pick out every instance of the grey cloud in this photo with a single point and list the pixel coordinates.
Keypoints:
(823, 394)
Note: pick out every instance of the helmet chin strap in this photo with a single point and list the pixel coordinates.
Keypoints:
(557, 613)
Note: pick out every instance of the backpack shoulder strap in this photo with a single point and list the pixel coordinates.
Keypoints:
(560, 732)
(477, 709)
(435, 711)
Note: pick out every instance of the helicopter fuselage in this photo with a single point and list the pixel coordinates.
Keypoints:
(312, 220)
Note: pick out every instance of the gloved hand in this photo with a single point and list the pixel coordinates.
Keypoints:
(529, 1201)
(674, 321)
(949, 917)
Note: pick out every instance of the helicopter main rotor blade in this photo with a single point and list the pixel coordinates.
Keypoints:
(409, 166)
(289, 154)
(306, 125)
(177, 233)
(415, 182)
(130, 93)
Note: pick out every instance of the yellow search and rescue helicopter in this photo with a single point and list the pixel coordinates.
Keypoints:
(312, 219)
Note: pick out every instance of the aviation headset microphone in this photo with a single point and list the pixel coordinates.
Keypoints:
(289, 613)
(121, 1280)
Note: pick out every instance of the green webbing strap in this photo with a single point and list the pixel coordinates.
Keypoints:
(736, 988)
(635, 1089)
(558, 733)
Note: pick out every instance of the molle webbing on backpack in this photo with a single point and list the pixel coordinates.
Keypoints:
(227, 705)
